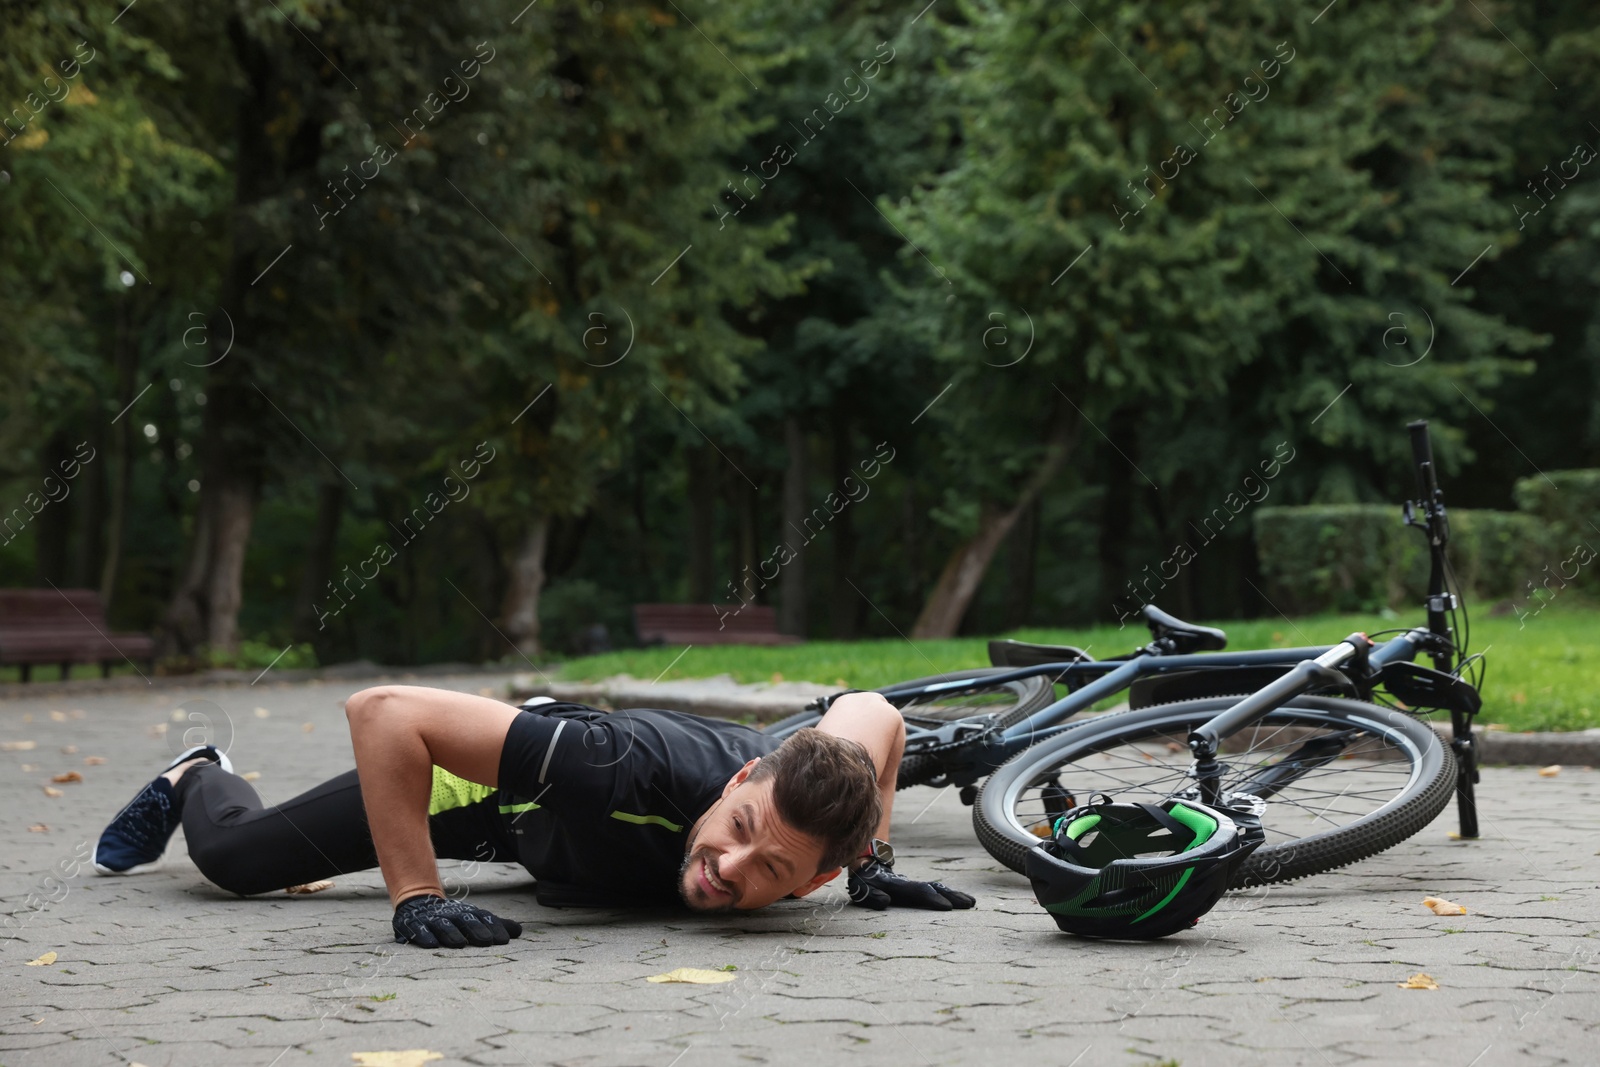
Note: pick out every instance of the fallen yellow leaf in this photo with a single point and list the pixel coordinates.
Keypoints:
(94, 761)
(250, 776)
(69, 776)
(695, 975)
(1550, 771)
(1441, 906)
(310, 887)
(69, 750)
(38, 828)
(17, 746)
(411, 1057)
(177, 714)
(1420, 980)
(58, 716)
(1041, 829)
(306, 728)
(52, 791)
(43, 961)
(262, 713)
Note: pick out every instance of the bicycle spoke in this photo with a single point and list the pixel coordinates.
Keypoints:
(1370, 770)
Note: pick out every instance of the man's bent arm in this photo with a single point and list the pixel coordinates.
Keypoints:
(877, 724)
(399, 732)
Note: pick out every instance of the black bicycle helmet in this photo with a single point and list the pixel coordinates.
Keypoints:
(1141, 871)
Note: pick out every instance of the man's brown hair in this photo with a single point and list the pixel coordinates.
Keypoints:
(826, 787)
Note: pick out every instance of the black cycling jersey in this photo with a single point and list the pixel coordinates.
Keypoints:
(598, 805)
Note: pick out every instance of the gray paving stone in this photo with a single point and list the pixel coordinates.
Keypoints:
(165, 970)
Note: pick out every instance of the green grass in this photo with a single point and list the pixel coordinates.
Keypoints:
(1544, 675)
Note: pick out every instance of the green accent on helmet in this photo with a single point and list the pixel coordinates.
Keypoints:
(1164, 901)
(1080, 826)
(1203, 826)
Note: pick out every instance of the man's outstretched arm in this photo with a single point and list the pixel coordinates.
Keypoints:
(399, 732)
(876, 724)
(871, 720)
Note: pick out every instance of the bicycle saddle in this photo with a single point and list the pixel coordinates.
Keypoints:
(1182, 637)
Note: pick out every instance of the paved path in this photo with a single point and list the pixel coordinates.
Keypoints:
(165, 970)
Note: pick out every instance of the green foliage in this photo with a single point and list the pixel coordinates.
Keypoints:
(254, 655)
(570, 607)
(1359, 557)
(1280, 284)
(1543, 674)
(1567, 505)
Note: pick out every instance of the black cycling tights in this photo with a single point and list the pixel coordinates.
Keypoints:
(246, 848)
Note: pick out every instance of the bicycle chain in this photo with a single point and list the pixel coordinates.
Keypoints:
(978, 733)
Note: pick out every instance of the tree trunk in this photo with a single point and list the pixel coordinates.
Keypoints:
(488, 576)
(54, 522)
(183, 626)
(1024, 552)
(1116, 515)
(744, 538)
(964, 570)
(206, 604)
(520, 612)
(846, 605)
(792, 587)
(319, 563)
(126, 357)
(91, 491)
(235, 514)
(702, 524)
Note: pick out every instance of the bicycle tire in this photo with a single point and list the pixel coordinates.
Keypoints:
(1029, 695)
(1431, 781)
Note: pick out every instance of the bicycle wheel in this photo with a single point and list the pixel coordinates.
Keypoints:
(1373, 777)
(1011, 701)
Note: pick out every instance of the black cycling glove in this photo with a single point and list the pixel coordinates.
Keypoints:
(876, 886)
(429, 922)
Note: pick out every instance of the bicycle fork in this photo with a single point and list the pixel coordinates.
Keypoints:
(1465, 747)
(1303, 677)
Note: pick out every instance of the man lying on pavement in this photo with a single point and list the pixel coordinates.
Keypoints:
(635, 807)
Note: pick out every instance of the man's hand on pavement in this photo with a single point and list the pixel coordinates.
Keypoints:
(431, 922)
(875, 885)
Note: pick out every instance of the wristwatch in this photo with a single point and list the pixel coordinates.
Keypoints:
(881, 851)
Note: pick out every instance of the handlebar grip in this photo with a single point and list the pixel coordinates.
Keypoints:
(1422, 453)
(1421, 446)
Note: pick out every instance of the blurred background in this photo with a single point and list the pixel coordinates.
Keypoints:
(439, 331)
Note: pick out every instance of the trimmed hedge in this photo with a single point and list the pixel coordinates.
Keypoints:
(1568, 504)
(1360, 557)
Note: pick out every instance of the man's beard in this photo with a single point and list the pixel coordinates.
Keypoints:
(694, 857)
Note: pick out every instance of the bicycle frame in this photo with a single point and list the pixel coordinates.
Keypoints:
(979, 760)
(1355, 660)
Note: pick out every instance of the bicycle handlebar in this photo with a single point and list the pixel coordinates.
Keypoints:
(1422, 454)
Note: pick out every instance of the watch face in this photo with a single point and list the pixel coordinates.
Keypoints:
(883, 851)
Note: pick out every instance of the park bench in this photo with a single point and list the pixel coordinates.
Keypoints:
(708, 624)
(63, 626)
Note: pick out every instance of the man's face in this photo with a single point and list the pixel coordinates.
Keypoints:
(742, 855)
